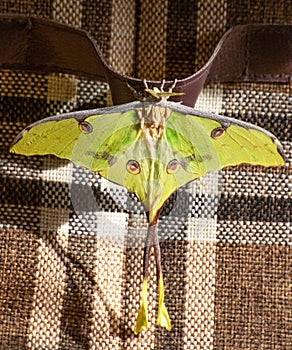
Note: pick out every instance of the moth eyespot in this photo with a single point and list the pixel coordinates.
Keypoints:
(172, 166)
(85, 127)
(133, 167)
(217, 133)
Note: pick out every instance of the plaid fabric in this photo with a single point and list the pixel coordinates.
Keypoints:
(71, 243)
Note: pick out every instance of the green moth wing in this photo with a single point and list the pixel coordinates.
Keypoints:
(152, 149)
(90, 139)
(211, 142)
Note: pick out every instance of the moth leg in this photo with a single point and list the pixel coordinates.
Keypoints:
(145, 84)
(162, 85)
(172, 86)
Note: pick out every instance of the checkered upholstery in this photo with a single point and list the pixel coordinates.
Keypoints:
(71, 243)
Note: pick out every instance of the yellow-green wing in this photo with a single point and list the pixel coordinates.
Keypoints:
(210, 142)
(122, 147)
(92, 139)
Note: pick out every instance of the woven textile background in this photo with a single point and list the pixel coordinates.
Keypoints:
(71, 271)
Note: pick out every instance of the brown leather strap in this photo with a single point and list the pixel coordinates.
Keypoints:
(245, 53)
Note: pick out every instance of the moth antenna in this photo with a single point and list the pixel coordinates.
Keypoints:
(162, 85)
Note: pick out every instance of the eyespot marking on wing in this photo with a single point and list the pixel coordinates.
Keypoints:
(172, 166)
(85, 127)
(217, 132)
(133, 167)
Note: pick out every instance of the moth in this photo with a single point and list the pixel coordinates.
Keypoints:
(152, 147)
